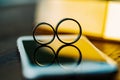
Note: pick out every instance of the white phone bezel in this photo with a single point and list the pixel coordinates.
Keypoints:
(29, 71)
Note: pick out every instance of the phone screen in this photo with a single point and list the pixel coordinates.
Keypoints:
(56, 58)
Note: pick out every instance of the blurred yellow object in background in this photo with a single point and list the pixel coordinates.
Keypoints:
(99, 19)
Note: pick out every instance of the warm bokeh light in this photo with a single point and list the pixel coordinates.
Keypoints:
(112, 28)
(98, 18)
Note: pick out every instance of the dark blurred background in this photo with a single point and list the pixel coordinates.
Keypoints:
(16, 19)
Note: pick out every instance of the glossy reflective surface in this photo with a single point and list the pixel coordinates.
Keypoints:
(79, 58)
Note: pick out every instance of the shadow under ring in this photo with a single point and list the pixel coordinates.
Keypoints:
(80, 54)
(36, 60)
(34, 30)
(79, 34)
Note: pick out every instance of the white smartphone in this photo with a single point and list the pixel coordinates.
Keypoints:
(81, 60)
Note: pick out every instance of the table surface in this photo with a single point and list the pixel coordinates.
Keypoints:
(17, 21)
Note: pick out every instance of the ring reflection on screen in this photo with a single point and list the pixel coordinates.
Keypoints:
(74, 58)
(46, 56)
